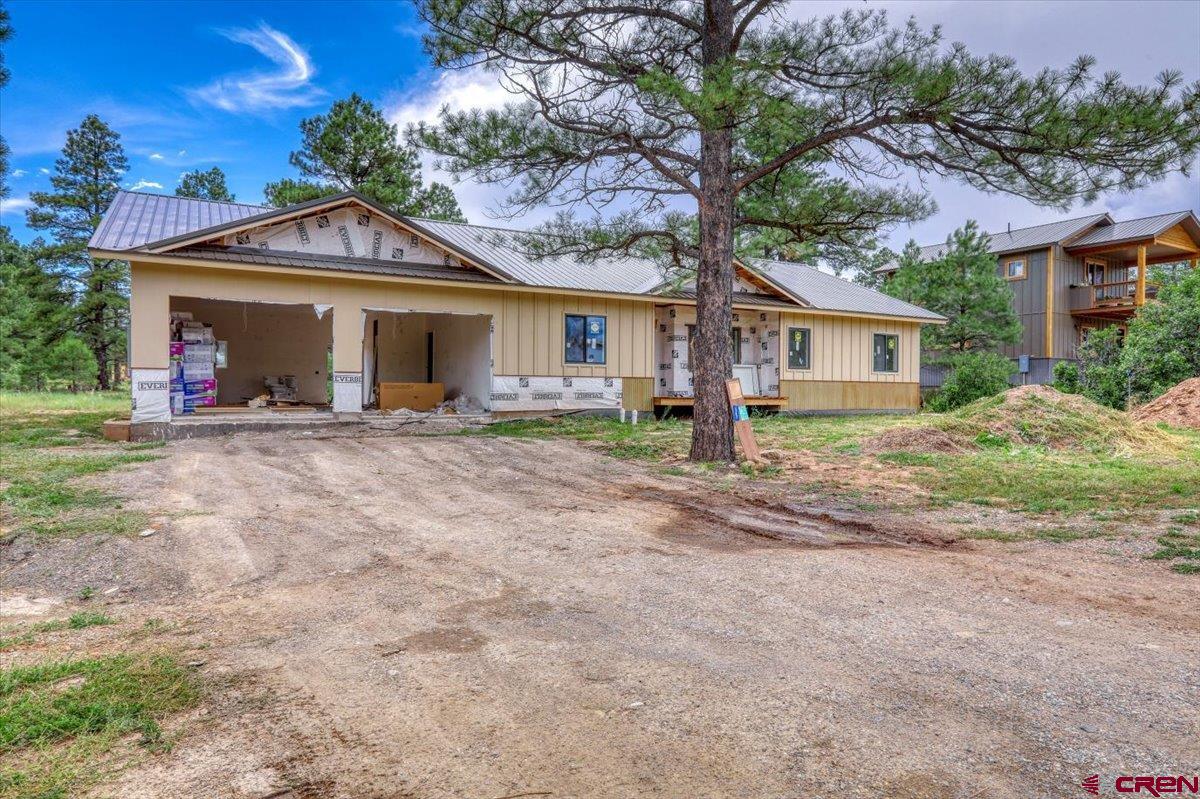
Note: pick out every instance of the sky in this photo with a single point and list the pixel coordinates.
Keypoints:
(198, 84)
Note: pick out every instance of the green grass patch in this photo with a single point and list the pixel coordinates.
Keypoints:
(62, 723)
(77, 621)
(1179, 546)
(40, 494)
(1032, 455)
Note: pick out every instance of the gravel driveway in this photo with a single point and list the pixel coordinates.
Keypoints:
(478, 617)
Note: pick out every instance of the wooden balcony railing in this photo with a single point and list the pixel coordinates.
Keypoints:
(1109, 295)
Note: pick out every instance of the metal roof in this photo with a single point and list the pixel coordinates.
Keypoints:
(135, 218)
(1133, 229)
(138, 222)
(1026, 238)
(830, 293)
(341, 263)
(503, 250)
(739, 298)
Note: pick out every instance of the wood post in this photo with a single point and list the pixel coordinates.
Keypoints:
(1139, 298)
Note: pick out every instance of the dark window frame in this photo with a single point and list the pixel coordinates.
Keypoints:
(567, 345)
(807, 349)
(875, 363)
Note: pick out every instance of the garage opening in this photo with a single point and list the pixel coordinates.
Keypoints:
(427, 361)
(249, 355)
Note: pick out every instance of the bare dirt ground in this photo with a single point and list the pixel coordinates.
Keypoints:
(478, 617)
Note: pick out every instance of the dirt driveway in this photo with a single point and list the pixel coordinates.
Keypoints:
(477, 617)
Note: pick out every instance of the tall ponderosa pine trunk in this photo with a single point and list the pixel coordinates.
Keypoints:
(710, 355)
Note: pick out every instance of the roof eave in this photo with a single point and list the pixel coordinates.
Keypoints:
(281, 214)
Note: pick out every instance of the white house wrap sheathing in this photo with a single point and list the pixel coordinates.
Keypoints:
(151, 397)
(554, 393)
(759, 348)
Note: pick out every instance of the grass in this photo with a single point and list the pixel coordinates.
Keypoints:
(65, 724)
(1184, 548)
(1039, 457)
(47, 441)
(77, 621)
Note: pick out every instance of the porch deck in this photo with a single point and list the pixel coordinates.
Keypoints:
(687, 402)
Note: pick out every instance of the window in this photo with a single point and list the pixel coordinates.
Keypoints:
(886, 352)
(1095, 272)
(735, 342)
(585, 339)
(799, 347)
(1015, 270)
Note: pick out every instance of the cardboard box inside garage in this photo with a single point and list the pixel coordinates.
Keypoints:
(414, 396)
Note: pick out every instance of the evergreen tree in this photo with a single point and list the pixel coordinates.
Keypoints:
(85, 182)
(703, 117)
(354, 147)
(71, 361)
(1162, 345)
(204, 185)
(34, 312)
(964, 286)
(6, 32)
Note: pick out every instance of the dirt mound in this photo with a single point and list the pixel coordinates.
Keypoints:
(1043, 416)
(1179, 407)
(914, 439)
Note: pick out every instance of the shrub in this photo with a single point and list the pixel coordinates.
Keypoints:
(1066, 377)
(1102, 379)
(972, 376)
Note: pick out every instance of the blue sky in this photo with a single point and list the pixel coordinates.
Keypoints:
(191, 84)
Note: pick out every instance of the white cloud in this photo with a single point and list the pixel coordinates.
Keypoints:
(145, 184)
(259, 92)
(155, 156)
(14, 205)
(457, 90)
(18, 173)
(43, 170)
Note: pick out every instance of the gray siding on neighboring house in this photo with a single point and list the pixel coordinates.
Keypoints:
(1029, 301)
(1068, 271)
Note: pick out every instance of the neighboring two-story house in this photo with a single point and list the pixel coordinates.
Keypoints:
(1078, 275)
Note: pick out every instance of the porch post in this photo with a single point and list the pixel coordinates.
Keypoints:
(1139, 298)
(1195, 262)
(149, 347)
(347, 359)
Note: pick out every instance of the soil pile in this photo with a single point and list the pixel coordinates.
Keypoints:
(1028, 415)
(914, 439)
(1179, 407)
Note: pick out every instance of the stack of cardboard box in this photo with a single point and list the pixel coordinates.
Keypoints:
(193, 364)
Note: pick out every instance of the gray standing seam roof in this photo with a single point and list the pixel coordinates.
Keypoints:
(1132, 229)
(136, 221)
(501, 249)
(1026, 238)
(827, 292)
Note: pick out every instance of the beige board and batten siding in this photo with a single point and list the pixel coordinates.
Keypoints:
(842, 374)
(528, 326)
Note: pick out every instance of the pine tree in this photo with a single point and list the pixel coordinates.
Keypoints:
(699, 118)
(204, 185)
(354, 147)
(963, 285)
(34, 313)
(85, 182)
(6, 32)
